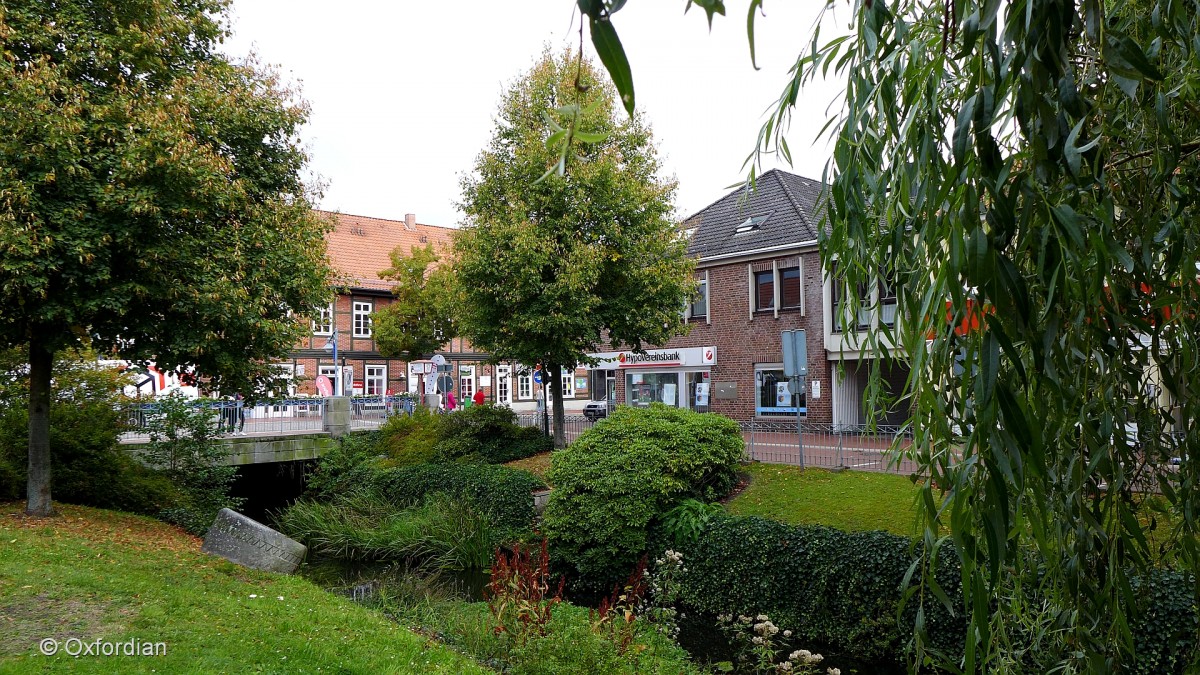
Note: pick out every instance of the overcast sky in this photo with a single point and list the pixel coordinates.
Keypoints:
(404, 93)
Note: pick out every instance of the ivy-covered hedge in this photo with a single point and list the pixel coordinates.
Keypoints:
(829, 587)
(504, 494)
(619, 477)
(843, 589)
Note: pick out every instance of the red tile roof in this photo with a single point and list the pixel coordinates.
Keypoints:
(360, 247)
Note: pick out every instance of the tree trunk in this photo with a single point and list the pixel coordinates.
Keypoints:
(41, 360)
(554, 372)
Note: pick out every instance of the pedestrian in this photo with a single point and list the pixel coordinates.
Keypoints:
(240, 410)
(451, 402)
(478, 397)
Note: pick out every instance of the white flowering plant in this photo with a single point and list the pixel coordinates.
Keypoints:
(760, 645)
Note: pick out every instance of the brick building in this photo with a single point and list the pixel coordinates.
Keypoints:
(760, 274)
(359, 248)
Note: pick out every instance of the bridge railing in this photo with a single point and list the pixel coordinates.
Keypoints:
(229, 418)
(370, 412)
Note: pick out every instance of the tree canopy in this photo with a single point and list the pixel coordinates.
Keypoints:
(1027, 174)
(547, 269)
(151, 198)
(420, 319)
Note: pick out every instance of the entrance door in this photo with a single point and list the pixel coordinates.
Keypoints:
(504, 385)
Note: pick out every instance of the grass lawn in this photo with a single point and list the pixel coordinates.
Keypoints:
(849, 500)
(94, 574)
(537, 465)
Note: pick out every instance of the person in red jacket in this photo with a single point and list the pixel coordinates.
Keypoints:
(451, 401)
(477, 399)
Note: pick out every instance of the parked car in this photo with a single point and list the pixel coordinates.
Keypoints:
(595, 410)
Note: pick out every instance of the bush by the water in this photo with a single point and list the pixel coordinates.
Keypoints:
(90, 467)
(439, 533)
(843, 590)
(489, 434)
(480, 434)
(619, 477)
(329, 478)
(504, 494)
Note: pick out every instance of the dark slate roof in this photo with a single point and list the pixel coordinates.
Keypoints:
(789, 202)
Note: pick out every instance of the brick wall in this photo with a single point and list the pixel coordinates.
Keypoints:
(742, 340)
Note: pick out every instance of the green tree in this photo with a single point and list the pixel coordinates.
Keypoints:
(420, 318)
(151, 202)
(1028, 172)
(546, 269)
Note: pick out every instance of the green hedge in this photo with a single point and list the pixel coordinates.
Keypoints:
(504, 494)
(482, 434)
(488, 434)
(619, 477)
(842, 589)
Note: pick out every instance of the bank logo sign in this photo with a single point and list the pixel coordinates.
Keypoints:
(684, 356)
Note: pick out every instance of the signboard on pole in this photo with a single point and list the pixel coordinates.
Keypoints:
(795, 353)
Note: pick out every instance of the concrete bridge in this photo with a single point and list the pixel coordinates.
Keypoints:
(267, 441)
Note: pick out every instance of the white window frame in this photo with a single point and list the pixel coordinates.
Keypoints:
(466, 382)
(525, 385)
(362, 321)
(504, 385)
(323, 323)
(568, 382)
(689, 311)
(375, 374)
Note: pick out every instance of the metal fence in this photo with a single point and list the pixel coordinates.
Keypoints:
(232, 419)
(828, 446)
(370, 412)
(573, 425)
(825, 446)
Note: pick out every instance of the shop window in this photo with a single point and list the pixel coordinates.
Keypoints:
(642, 389)
(362, 319)
(764, 290)
(774, 393)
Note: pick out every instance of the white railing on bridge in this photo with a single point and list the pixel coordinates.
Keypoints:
(231, 418)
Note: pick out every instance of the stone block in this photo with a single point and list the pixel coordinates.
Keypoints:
(251, 544)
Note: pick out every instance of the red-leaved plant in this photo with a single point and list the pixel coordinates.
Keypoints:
(615, 617)
(518, 594)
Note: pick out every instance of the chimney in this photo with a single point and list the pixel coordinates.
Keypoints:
(410, 221)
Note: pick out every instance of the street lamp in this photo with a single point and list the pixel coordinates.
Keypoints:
(331, 345)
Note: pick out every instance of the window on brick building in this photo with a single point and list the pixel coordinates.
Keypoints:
(466, 382)
(362, 319)
(525, 385)
(699, 306)
(764, 290)
(789, 288)
(375, 380)
(323, 322)
(774, 393)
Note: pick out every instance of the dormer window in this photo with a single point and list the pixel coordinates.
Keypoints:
(752, 223)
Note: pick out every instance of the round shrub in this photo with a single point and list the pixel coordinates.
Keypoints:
(488, 434)
(619, 477)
